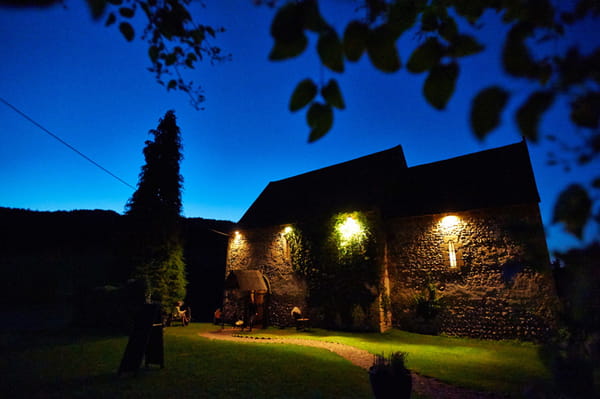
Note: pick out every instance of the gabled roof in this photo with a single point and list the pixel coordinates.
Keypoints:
(500, 176)
(490, 178)
(352, 185)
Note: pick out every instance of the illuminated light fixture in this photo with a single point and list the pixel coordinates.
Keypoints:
(349, 229)
(287, 230)
(237, 234)
(449, 221)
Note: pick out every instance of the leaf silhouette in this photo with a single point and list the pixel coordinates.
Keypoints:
(529, 114)
(127, 31)
(331, 51)
(439, 85)
(486, 109)
(320, 118)
(355, 40)
(303, 94)
(573, 209)
(333, 95)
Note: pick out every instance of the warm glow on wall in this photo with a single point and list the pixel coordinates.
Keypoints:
(449, 222)
(450, 228)
(349, 229)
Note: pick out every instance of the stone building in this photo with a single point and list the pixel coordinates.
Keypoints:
(454, 247)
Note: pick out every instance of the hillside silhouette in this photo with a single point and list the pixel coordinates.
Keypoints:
(55, 257)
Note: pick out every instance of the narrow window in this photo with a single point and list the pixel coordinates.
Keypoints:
(452, 254)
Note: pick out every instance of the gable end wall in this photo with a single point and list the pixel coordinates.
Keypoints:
(501, 288)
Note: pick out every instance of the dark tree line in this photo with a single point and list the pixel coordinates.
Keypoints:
(62, 257)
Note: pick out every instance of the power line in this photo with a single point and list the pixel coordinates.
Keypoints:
(69, 146)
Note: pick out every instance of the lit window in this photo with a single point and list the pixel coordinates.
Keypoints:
(452, 254)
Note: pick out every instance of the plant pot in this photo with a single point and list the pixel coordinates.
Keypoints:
(387, 385)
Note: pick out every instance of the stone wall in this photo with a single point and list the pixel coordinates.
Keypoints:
(267, 250)
(499, 287)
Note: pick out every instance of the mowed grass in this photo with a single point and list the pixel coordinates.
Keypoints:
(71, 366)
(494, 366)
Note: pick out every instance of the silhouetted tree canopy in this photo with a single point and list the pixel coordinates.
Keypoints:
(177, 41)
(155, 212)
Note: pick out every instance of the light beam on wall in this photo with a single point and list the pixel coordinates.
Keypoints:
(450, 230)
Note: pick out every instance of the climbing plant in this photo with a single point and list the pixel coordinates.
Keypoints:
(299, 251)
(337, 256)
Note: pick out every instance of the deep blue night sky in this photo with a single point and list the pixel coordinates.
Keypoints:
(85, 83)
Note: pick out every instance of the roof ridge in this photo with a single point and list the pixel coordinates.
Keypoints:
(495, 177)
(482, 153)
(380, 154)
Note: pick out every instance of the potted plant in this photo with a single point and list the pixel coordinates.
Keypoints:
(389, 376)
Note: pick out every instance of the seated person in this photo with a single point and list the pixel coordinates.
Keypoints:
(181, 313)
(218, 316)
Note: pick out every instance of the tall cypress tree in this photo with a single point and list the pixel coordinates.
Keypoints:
(155, 213)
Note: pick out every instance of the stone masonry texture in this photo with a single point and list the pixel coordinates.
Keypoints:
(501, 287)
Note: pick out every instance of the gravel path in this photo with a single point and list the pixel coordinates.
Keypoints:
(429, 387)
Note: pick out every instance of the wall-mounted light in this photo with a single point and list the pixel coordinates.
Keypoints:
(449, 221)
(237, 240)
(287, 230)
(350, 230)
(450, 230)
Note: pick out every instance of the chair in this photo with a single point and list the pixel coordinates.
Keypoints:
(181, 314)
(302, 323)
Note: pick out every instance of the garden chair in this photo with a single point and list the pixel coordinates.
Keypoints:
(180, 314)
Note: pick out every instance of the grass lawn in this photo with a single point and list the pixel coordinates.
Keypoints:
(60, 365)
(496, 366)
(71, 364)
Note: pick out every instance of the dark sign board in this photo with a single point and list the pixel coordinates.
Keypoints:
(145, 341)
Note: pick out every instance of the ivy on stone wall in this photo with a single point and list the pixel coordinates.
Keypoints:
(350, 234)
(300, 252)
(338, 258)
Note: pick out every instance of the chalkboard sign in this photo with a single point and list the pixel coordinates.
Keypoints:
(155, 353)
(146, 340)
